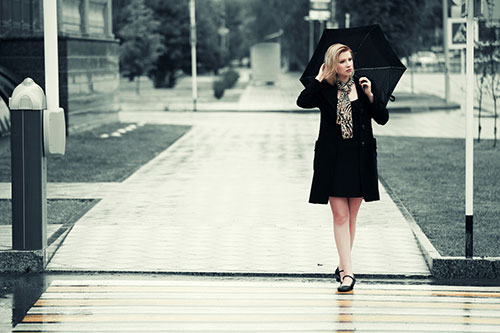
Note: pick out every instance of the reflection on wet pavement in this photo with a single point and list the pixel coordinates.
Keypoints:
(17, 294)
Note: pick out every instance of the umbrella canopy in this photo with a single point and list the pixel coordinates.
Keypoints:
(373, 57)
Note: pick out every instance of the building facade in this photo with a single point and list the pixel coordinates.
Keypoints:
(88, 54)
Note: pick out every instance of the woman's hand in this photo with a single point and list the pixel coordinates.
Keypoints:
(321, 74)
(367, 87)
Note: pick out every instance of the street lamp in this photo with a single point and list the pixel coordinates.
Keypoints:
(192, 20)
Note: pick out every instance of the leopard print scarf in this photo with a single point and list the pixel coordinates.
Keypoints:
(344, 111)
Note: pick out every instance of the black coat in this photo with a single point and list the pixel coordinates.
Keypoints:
(324, 96)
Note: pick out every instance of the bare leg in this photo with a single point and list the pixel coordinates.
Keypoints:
(340, 211)
(354, 204)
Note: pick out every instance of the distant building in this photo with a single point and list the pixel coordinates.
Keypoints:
(88, 54)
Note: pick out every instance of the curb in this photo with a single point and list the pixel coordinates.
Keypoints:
(415, 277)
(397, 109)
(16, 261)
(425, 108)
(447, 267)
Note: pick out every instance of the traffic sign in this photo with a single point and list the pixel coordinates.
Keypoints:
(319, 15)
(457, 33)
(320, 5)
(319, 10)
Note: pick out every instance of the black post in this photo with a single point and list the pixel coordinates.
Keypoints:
(468, 236)
(29, 172)
(29, 167)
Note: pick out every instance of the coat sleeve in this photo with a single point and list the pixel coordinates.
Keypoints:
(378, 110)
(309, 97)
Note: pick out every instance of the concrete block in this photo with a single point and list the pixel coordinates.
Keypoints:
(12, 261)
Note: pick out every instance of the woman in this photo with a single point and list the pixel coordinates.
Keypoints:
(345, 158)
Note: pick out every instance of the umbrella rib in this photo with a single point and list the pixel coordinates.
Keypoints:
(366, 36)
(379, 68)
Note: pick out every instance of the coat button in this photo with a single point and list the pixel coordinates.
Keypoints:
(362, 143)
(363, 126)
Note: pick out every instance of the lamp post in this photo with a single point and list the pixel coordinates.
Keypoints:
(192, 19)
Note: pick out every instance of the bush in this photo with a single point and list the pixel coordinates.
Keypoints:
(219, 87)
(230, 78)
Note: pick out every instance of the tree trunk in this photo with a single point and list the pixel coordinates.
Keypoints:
(479, 115)
(495, 122)
(137, 85)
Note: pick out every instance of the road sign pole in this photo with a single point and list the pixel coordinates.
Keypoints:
(311, 38)
(446, 53)
(469, 118)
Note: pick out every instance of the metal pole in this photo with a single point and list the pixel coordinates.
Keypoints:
(462, 62)
(51, 54)
(446, 53)
(311, 38)
(347, 20)
(469, 132)
(192, 19)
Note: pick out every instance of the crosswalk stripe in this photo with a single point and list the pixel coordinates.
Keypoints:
(148, 309)
(255, 302)
(252, 327)
(268, 284)
(187, 317)
(271, 296)
(231, 289)
(141, 306)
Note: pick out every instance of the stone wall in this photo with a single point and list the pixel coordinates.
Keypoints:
(88, 74)
(88, 55)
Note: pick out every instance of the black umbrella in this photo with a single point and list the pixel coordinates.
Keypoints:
(373, 57)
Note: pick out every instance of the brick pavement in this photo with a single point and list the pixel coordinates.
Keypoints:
(231, 196)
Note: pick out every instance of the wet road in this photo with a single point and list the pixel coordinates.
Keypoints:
(158, 302)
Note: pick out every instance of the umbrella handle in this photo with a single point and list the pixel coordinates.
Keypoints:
(392, 98)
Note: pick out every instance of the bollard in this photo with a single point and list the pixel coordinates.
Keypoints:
(29, 167)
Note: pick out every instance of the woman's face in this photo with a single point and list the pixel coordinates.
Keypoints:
(345, 64)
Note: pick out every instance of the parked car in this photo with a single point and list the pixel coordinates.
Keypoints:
(427, 61)
(425, 58)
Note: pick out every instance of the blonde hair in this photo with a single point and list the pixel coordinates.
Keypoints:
(332, 58)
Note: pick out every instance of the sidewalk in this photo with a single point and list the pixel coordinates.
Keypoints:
(231, 197)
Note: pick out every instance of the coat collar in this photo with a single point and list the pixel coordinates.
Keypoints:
(330, 92)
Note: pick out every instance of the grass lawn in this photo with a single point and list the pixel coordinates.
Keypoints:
(58, 211)
(90, 158)
(428, 176)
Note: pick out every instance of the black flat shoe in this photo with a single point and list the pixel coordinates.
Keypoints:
(337, 274)
(343, 289)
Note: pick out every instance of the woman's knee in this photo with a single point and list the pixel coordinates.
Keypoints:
(340, 210)
(340, 218)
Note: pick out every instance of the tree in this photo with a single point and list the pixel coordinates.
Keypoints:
(401, 20)
(174, 20)
(270, 16)
(488, 54)
(175, 30)
(140, 43)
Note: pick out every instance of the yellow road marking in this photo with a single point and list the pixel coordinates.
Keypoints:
(230, 289)
(342, 318)
(261, 302)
